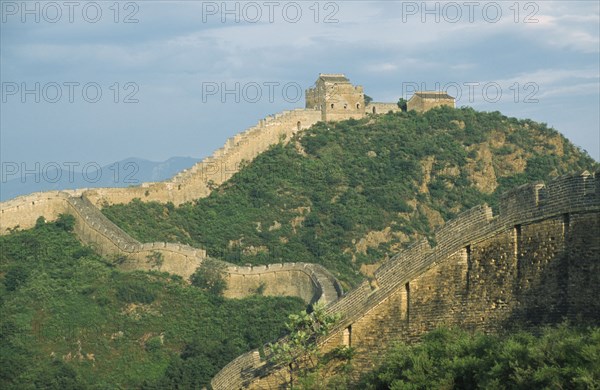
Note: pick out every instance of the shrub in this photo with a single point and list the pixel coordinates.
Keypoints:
(15, 277)
(135, 291)
(153, 344)
(66, 222)
(209, 277)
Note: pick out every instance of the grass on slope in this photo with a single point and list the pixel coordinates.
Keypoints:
(69, 320)
(347, 194)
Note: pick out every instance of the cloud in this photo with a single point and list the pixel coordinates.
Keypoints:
(171, 51)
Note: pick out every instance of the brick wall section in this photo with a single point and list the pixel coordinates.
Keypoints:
(310, 282)
(381, 108)
(23, 211)
(536, 262)
(193, 183)
(94, 229)
(420, 104)
(583, 275)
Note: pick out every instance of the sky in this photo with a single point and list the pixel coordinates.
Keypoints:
(97, 82)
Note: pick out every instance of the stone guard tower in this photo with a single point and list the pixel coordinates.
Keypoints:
(336, 98)
(423, 101)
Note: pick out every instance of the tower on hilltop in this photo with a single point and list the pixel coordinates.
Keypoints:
(423, 101)
(336, 98)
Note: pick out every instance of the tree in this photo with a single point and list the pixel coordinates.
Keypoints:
(15, 277)
(402, 103)
(299, 351)
(210, 277)
(368, 99)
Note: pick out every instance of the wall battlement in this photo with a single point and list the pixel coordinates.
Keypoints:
(333, 99)
(487, 270)
(197, 181)
(484, 272)
(310, 282)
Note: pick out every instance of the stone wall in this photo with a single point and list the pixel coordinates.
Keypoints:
(196, 182)
(381, 108)
(94, 229)
(536, 262)
(310, 282)
(23, 211)
(422, 104)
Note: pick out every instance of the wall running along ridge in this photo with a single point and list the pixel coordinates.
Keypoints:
(536, 262)
(311, 282)
(197, 181)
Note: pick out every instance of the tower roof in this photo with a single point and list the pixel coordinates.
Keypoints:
(334, 77)
(433, 95)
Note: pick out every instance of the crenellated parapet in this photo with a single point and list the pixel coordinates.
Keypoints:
(198, 181)
(333, 98)
(566, 193)
(381, 108)
(537, 261)
(311, 282)
(23, 211)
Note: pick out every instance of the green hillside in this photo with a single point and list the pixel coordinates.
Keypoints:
(344, 195)
(565, 357)
(348, 194)
(70, 320)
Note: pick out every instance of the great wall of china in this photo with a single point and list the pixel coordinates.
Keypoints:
(536, 260)
(96, 230)
(195, 182)
(311, 282)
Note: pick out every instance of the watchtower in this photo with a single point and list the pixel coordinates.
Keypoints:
(336, 98)
(423, 101)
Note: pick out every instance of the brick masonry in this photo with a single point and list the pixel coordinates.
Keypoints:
(536, 262)
(310, 282)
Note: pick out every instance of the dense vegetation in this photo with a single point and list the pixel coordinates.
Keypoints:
(558, 358)
(70, 320)
(347, 194)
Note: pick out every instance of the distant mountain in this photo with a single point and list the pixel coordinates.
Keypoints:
(124, 173)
